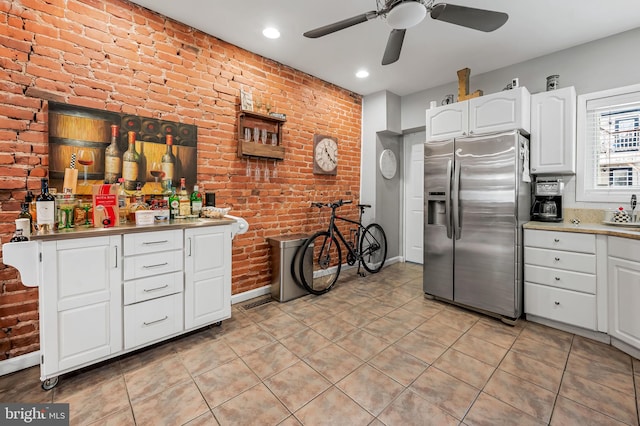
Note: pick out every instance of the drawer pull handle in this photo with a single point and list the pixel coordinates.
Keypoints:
(149, 290)
(147, 243)
(557, 278)
(155, 266)
(557, 240)
(556, 303)
(557, 259)
(153, 322)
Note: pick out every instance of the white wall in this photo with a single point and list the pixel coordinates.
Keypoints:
(598, 65)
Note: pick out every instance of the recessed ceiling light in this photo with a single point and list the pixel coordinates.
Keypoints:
(362, 74)
(271, 32)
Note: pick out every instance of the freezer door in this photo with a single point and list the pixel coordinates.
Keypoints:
(438, 228)
(486, 180)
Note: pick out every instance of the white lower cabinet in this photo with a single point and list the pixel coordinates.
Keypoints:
(80, 302)
(104, 296)
(207, 291)
(624, 290)
(560, 277)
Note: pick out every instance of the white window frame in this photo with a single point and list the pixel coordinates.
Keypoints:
(584, 176)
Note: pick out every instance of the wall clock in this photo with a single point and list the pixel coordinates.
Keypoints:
(388, 164)
(325, 155)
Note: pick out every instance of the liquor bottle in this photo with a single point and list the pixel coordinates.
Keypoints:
(29, 198)
(196, 201)
(123, 202)
(45, 207)
(174, 204)
(24, 213)
(169, 162)
(131, 164)
(18, 237)
(139, 204)
(183, 197)
(112, 161)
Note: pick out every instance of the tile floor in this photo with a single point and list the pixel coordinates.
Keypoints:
(372, 351)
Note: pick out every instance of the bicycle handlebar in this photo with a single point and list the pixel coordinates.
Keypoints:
(333, 205)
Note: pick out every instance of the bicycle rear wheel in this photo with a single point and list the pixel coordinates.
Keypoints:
(373, 248)
(326, 258)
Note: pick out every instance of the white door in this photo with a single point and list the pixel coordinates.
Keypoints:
(414, 196)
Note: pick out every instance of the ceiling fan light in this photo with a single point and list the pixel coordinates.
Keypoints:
(406, 15)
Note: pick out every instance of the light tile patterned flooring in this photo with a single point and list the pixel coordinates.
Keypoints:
(372, 351)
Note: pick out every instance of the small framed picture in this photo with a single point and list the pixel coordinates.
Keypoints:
(246, 100)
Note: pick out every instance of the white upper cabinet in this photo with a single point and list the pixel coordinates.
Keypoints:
(498, 112)
(553, 132)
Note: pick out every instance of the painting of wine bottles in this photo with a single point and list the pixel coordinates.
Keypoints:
(105, 147)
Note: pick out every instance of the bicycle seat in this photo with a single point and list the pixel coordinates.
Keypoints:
(365, 206)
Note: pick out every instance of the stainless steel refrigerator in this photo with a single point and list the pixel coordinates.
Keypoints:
(475, 204)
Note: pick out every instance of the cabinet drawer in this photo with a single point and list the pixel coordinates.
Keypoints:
(146, 265)
(557, 304)
(569, 280)
(624, 248)
(152, 320)
(583, 243)
(556, 259)
(152, 287)
(152, 242)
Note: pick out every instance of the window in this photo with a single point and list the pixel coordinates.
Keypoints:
(608, 145)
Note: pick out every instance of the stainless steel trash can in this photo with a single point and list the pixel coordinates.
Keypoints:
(283, 252)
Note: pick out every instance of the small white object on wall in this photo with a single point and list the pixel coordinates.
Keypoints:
(388, 164)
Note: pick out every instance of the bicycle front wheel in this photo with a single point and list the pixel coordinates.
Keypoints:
(373, 248)
(319, 263)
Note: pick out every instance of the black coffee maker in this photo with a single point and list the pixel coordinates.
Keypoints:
(547, 200)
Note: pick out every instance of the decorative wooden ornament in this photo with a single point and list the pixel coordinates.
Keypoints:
(463, 86)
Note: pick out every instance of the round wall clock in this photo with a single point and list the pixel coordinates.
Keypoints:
(388, 164)
(325, 155)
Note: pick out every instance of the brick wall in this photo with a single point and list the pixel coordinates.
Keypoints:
(112, 55)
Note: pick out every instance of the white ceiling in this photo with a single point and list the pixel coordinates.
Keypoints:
(432, 52)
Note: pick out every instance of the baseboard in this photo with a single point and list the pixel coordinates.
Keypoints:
(18, 363)
(625, 347)
(591, 334)
(391, 261)
(250, 294)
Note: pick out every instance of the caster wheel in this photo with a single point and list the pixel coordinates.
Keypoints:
(217, 324)
(49, 383)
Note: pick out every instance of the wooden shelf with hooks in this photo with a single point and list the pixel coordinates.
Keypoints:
(273, 125)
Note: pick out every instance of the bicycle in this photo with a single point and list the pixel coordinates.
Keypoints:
(367, 246)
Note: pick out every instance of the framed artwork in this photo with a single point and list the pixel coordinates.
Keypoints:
(75, 131)
(246, 100)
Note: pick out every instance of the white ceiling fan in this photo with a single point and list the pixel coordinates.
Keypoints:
(403, 14)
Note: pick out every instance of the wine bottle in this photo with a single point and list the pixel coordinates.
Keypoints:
(24, 211)
(112, 161)
(131, 164)
(123, 202)
(169, 161)
(196, 201)
(45, 207)
(183, 197)
(174, 204)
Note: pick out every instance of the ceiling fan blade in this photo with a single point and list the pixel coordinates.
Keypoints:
(394, 46)
(341, 25)
(477, 19)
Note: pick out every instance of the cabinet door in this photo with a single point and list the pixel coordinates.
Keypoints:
(624, 300)
(207, 287)
(553, 131)
(499, 112)
(81, 302)
(447, 122)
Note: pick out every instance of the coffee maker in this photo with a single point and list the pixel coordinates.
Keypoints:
(547, 200)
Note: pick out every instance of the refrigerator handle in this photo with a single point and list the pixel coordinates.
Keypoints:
(447, 200)
(457, 226)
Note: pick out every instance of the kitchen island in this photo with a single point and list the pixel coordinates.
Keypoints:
(104, 292)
